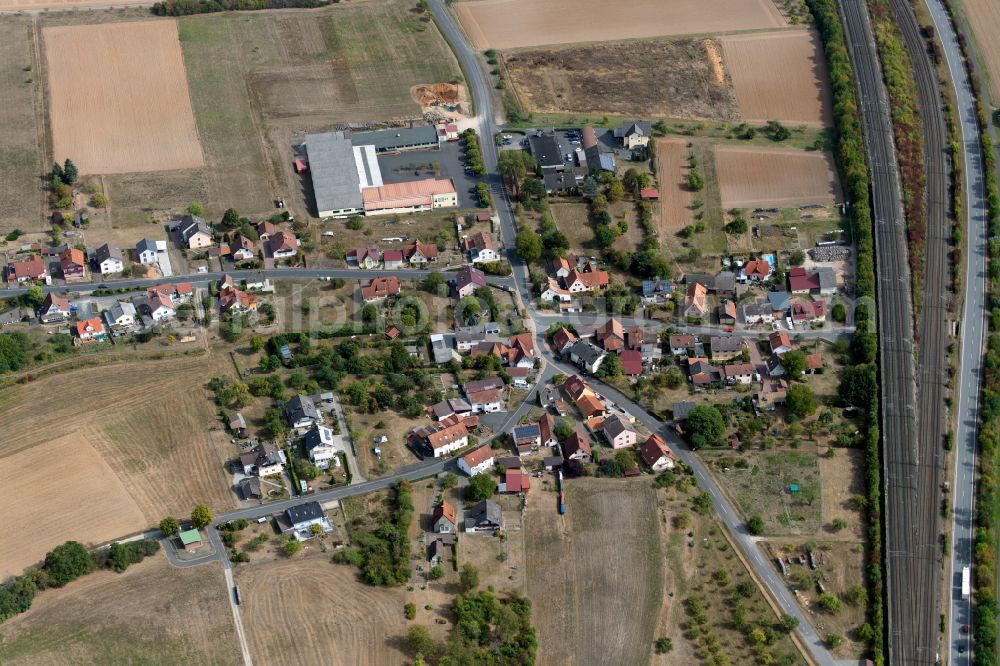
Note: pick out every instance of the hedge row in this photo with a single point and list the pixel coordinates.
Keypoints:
(188, 7)
(854, 173)
(988, 490)
(897, 71)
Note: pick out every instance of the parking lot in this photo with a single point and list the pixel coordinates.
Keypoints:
(448, 162)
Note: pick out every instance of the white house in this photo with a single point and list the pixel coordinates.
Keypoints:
(299, 520)
(477, 461)
(109, 259)
(320, 445)
(486, 401)
(619, 432)
(657, 454)
(443, 441)
(147, 250)
(121, 315)
(481, 248)
(301, 413)
(263, 460)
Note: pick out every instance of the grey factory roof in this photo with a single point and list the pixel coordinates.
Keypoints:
(334, 172)
(396, 138)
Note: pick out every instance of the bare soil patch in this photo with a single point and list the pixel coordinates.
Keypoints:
(801, 94)
(309, 611)
(751, 176)
(151, 614)
(66, 486)
(594, 575)
(984, 17)
(681, 78)
(504, 24)
(675, 197)
(152, 422)
(434, 96)
(119, 98)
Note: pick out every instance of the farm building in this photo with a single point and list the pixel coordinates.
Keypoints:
(419, 195)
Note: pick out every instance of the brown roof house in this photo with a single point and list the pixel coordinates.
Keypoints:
(444, 520)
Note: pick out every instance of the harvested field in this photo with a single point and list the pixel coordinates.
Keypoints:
(66, 486)
(308, 611)
(801, 95)
(29, 5)
(594, 576)
(20, 143)
(109, 618)
(505, 24)
(984, 18)
(675, 197)
(149, 421)
(764, 177)
(629, 78)
(119, 98)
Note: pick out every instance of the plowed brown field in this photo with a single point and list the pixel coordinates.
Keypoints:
(149, 421)
(801, 94)
(69, 489)
(119, 98)
(308, 611)
(984, 17)
(671, 160)
(750, 176)
(505, 24)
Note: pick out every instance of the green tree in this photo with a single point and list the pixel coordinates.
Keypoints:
(616, 191)
(737, 226)
(257, 343)
(833, 641)
(797, 258)
(696, 182)
(481, 486)
(170, 526)
(604, 236)
(839, 312)
(67, 562)
(705, 426)
(70, 172)
(230, 219)
(437, 572)
(830, 602)
(755, 525)
(610, 367)
(857, 596)
(291, 547)
(419, 641)
(195, 208)
(794, 363)
(57, 175)
(201, 516)
(34, 295)
(449, 480)
(664, 645)
(800, 401)
(788, 623)
(410, 610)
(433, 283)
(468, 578)
(563, 430)
(528, 245)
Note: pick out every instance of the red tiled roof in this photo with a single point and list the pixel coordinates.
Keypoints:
(91, 326)
(649, 193)
(392, 255)
(381, 287)
(445, 509)
(631, 362)
(654, 448)
(478, 455)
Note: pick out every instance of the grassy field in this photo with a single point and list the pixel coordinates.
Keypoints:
(594, 576)
(20, 149)
(152, 614)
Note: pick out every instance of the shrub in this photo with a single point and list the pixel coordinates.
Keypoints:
(410, 610)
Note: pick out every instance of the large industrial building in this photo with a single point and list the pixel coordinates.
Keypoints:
(347, 180)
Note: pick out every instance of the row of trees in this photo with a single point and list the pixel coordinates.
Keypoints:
(473, 152)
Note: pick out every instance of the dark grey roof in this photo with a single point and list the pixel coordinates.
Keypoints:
(559, 181)
(529, 430)
(145, 245)
(470, 275)
(615, 426)
(485, 512)
(191, 224)
(301, 406)
(586, 352)
(682, 409)
(314, 438)
(643, 127)
(334, 173)
(545, 150)
(303, 512)
(726, 343)
(725, 281)
(553, 461)
(249, 487)
(106, 252)
(827, 278)
(707, 281)
(509, 462)
(473, 333)
(395, 139)
(779, 300)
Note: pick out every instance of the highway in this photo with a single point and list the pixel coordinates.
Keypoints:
(909, 535)
(971, 338)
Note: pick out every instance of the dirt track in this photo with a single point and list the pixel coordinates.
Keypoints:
(119, 98)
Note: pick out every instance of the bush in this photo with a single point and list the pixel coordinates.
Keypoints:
(755, 525)
(410, 611)
(291, 547)
(121, 555)
(67, 562)
(830, 602)
(170, 526)
(468, 579)
(481, 486)
(664, 645)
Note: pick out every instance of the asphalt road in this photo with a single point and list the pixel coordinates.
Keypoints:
(910, 537)
(971, 338)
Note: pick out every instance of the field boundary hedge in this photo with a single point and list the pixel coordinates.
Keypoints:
(854, 176)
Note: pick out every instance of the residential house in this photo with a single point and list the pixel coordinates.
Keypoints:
(738, 373)
(515, 482)
(635, 133)
(757, 313)
(282, 245)
(680, 411)
(727, 312)
(238, 424)
(561, 266)
(547, 430)
(576, 387)
(586, 355)
(822, 281)
(656, 291)
(147, 250)
(591, 406)
(445, 408)
(631, 362)
(89, 330)
(319, 444)
(610, 335)
(780, 342)
(771, 394)
(577, 282)
(485, 400)
(380, 288)
(655, 452)
(263, 460)
(563, 339)
(527, 437)
(814, 363)
(121, 316)
(419, 254)
(780, 302)
(480, 248)
(236, 300)
(31, 268)
(54, 309)
(726, 347)
(364, 257)
(108, 259)
(484, 516)
(249, 487)
(468, 337)
(444, 520)
(265, 230)
(441, 350)
(13, 316)
(301, 413)
(553, 291)
(392, 259)
(521, 352)
(157, 307)
(468, 279)
(618, 432)
(810, 312)
(242, 248)
(477, 461)
(299, 520)
(755, 270)
(724, 284)
(682, 345)
(520, 377)
(72, 264)
(438, 547)
(194, 232)
(444, 440)
(576, 447)
(702, 372)
(695, 301)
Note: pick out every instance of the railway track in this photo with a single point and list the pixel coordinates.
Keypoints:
(906, 503)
